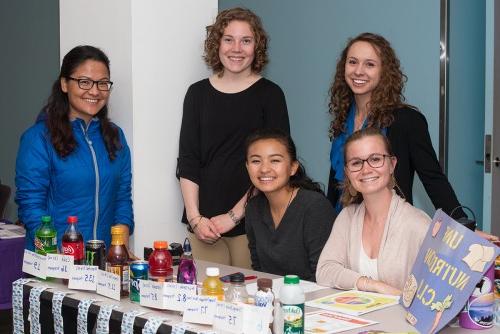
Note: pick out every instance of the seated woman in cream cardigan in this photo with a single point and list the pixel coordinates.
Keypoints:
(377, 236)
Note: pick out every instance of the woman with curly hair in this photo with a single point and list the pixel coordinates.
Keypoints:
(74, 161)
(219, 113)
(367, 91)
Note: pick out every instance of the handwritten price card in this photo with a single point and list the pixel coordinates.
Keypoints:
(59, 265)
(175, 295)
(151, 294)
(200, 309)
(108, 284)
(83, 278)
(229, 317)
(35, 264)
(256, 319)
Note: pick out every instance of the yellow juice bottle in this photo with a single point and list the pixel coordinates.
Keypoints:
(212, 285)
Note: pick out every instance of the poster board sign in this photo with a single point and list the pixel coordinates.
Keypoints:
(451, 262)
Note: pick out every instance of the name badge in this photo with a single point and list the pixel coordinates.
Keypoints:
(200, 309)
(151, 293)
(35, 264)
(175, 295)
(59, 265)
(108, 284)
(229, 317)
(83, 277)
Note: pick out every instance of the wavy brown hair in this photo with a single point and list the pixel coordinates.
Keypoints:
(216, 31)
(386, 97)
(57, 107)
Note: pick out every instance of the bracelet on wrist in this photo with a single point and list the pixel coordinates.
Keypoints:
(233, 217)
(195, 225)
(191, 220)
(365, 286)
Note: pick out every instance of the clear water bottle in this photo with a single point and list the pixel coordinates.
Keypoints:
(236, 293)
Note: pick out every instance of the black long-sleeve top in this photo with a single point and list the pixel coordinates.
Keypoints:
(411, 143)
(212, 140)
(295, 245)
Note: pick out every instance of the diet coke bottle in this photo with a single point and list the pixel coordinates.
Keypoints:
(72, 241)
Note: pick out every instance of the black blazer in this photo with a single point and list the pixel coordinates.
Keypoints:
(411, 143)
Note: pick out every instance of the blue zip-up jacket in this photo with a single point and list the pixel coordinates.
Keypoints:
(86, 183)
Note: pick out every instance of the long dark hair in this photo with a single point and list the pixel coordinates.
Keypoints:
(57, 107)
(300, 178)
(387, 96)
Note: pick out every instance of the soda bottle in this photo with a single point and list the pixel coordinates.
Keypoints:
(160, 263)
(187, 270)
(46, 237)
(117, 259)
(212, 285)
(72, 241)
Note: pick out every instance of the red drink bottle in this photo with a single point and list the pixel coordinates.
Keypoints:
(72, 241)
(160, 263)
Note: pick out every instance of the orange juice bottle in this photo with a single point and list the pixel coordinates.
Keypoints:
(212, 285)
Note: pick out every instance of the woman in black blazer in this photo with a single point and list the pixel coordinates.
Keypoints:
(367, 90)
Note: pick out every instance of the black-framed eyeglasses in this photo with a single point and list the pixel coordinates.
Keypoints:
(375, 160)
(87, 84)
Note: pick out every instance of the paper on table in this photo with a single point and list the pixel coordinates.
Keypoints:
(9, 231)
(279, 282)
(327, 322)
(354, 302)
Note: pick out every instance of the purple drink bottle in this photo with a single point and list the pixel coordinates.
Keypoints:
(187, 270)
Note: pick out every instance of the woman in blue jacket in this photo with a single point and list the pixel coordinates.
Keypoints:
(74, 161)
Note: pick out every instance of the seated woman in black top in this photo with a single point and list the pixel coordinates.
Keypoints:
(289, 220)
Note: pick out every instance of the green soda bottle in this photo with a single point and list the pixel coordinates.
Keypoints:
(46, 237)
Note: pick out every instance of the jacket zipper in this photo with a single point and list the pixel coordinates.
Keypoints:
(96, 169)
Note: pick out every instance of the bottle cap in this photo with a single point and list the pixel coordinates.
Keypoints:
(265, 283)
(212, 271)
(237, 278)
(187, 246)
(46, 219)
(160, 244)
(292, 279)
(117, 229)
(72, 219)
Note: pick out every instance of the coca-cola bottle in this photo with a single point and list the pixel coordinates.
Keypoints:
(72, 241)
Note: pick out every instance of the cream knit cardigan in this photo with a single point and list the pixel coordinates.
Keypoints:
(404, 232)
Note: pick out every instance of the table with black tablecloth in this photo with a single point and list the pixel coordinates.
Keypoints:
(391, 319)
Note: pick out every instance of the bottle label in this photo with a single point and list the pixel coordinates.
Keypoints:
(46, 245)
(293, 318)
(123, 272)
(73, 248)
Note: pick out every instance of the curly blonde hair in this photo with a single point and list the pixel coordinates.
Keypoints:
(216, 31)
(386, 97)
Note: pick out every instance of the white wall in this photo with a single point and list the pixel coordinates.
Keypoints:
(155, 48)
(106, 25)
(167, 39)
